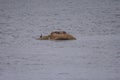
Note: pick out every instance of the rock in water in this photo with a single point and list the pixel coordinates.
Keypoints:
(57, 35)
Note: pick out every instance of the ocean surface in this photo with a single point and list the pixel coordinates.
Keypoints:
(95, 55)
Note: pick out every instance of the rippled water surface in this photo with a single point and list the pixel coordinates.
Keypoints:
(95, 55)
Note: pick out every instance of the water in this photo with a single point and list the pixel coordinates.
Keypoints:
(95, 55)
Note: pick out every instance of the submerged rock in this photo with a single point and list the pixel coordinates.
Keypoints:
(57, 35)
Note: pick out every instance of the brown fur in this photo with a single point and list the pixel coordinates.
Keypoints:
(58, 35)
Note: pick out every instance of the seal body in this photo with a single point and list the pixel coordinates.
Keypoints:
(57, 35)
